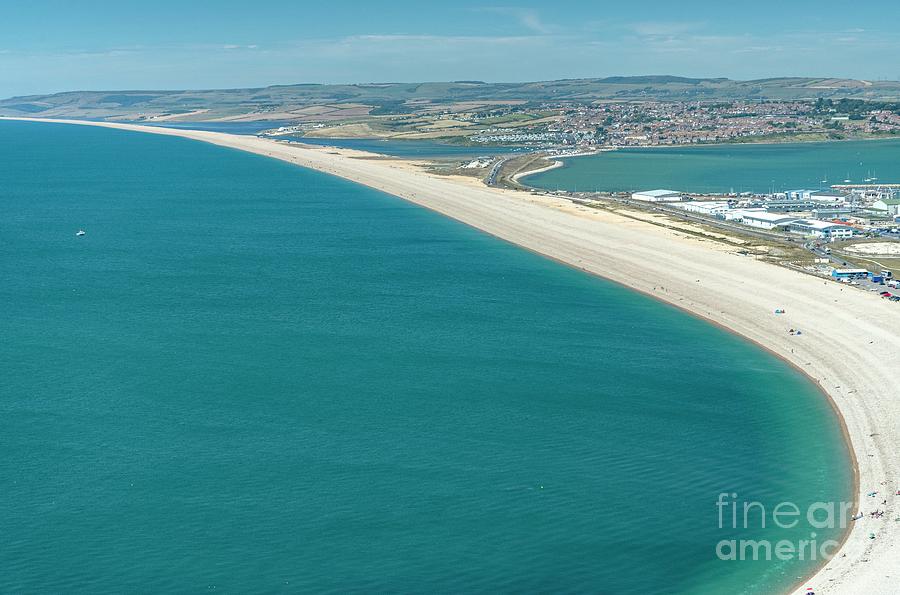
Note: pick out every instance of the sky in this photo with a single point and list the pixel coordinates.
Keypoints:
(62, 45)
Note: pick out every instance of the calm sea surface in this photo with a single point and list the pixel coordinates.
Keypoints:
(729, 168)
(250, 377)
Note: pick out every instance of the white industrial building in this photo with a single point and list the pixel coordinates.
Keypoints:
(798, 194)
(822, 229)
(890, 205)
(657, 196)
(765, 220)
(705, 207)
(738, 214)
(826, 196)
(812, 195)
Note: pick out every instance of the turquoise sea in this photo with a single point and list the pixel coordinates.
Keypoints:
(728, 168)
(249, 377)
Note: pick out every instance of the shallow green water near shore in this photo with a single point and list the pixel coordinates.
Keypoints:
(728, 168)
(249, 377)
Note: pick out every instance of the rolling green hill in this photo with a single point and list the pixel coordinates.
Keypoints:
(297, 102)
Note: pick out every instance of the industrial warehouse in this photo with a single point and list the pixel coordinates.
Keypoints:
(817, 219)
(831, 215)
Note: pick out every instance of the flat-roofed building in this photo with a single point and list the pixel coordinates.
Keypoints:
(822, 229)
(799, 194)
(767, 220)
(891, 206)
(826, 196)
(705, 207)
(831, 212)
(658, 196)
(738, 214)
(842, 274)
(789, 206)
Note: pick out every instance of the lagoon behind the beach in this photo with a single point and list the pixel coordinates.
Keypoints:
(728, 168)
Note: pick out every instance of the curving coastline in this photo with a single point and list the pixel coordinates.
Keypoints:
(850, 346)
(554, 164)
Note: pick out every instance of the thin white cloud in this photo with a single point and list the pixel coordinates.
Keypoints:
(526, 17)
(432, 37)
(664, 29)
(757, 49)
(531, 20)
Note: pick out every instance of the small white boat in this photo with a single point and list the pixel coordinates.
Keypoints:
(80, 233)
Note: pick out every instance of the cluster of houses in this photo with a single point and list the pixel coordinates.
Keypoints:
(641, 123)
(824, 215)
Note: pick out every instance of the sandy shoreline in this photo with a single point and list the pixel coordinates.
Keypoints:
(553, 164)
(850, 344)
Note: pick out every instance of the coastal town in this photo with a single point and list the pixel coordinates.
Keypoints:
(585, 124)
(666, 123)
